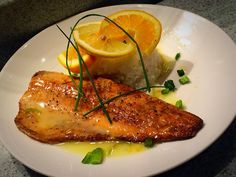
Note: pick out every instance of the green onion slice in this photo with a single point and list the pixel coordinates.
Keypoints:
(165, 91)
(177, 56)
(184, 80)
(148, 143)
(179, 104)
(169, 84)
(180, 72)
(94, 157)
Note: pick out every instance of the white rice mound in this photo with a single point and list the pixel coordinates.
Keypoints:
(128, 70)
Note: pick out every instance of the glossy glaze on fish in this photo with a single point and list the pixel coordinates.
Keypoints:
(46, 113)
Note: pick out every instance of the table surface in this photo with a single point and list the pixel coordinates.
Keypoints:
(216, 161)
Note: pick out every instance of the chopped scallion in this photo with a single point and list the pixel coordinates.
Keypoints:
(94, 157)
(177, 56)
(169, 84)
(181, 72)
(179, 104)
(148, 142)
(165, 91)
(184, 80)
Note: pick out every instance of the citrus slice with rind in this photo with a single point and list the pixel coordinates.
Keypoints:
(73, 61)
(87, 37)
(142, 26)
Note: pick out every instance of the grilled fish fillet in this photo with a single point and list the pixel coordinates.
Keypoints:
(46, 113)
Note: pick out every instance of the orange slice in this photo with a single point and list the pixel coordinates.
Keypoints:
(73, 61)
(87, 36)
(142, 26)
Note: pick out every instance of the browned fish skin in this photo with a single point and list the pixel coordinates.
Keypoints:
(46, 113)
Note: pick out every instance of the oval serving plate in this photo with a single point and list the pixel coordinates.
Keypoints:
(207, 53)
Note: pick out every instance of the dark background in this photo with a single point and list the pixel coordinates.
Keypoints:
(18, 22)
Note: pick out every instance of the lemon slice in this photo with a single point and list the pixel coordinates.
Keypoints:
(142, 26)
(87, 36)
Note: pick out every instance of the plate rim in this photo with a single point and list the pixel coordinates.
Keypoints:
(124, 5)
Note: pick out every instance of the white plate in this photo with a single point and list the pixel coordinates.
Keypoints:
(207, 52)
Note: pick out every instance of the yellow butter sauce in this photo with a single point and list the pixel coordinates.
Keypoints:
(110, 148)
(116, 148)
(170, 98)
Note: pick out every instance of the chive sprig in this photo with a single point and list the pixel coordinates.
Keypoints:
(82, 63)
